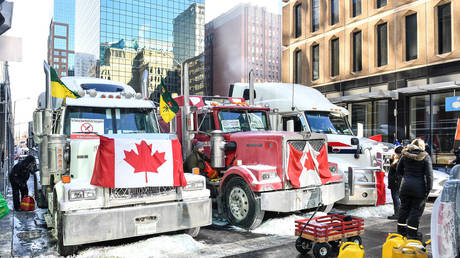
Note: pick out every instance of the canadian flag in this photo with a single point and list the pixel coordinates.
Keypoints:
(131, 163)
(308, 167)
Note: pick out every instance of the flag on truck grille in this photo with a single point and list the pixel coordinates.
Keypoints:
(308, 167)
(133, 162)
(58, 88)
(168, 106)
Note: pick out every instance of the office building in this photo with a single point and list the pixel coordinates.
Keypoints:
(391, 63)
(245, 38)
(127, 37)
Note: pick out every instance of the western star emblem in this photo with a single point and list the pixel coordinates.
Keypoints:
(144, 161)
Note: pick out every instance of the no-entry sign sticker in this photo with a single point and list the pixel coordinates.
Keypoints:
(78, 125)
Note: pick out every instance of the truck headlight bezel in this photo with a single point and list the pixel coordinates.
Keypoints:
(82, 194)
(194, 186)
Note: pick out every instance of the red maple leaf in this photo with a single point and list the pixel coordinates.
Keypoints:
(144, 161)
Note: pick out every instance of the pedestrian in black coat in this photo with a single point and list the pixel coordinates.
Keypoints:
(394, 181)
(417, 181)
(18, 177)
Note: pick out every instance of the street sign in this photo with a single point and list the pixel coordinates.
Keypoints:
(453, 104)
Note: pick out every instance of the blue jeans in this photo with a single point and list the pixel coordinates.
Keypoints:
(396, 201)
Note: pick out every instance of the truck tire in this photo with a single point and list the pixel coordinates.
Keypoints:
(63, 249)
(193, 232)
(241, 206)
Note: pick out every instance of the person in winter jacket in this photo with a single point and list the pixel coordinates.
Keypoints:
(417, 181)
(394, 181)
(18, 177)
(196, 159)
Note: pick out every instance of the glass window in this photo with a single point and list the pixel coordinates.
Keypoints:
(298, 20)
(298, 66)
(443, 128)
(314, 15)
(357, 49)
(381, 3)
(382, 46)
(444, 29)
(334, 11)
(335, 57)
(356, 8)
(411, 37)
(315, 62)
(362, 113)
(380, 124)
(242, 120)
(419, 117)
(328, 123)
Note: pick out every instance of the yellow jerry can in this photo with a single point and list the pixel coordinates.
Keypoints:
(351, 250)
(393, 240)
(412, 249)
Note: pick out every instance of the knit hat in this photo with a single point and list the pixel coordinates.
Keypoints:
(198, 145)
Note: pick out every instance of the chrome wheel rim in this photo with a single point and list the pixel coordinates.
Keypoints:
(323, 251)
(239, 203)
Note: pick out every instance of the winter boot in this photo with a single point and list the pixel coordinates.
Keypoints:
(402, 230)
(393, 217)
(413, 234)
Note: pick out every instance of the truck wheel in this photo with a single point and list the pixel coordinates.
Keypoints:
(193, 232)
(63, 249)
(321, 250)
(303, 245)
(241, 206)
(355, 239)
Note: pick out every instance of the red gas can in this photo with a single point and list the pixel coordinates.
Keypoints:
(27, 203)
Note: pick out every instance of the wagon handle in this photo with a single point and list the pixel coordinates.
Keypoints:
(317, 208)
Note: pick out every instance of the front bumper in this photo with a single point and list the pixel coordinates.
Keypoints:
(365, 194)
(302, 198)
(89, 226)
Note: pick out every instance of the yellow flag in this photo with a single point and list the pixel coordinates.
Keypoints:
(166, 113)
(58, 88)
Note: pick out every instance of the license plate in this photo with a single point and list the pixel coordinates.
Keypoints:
(146, 225)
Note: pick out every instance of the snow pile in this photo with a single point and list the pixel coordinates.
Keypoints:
(162, 246)
(381, 211)
(282, 226)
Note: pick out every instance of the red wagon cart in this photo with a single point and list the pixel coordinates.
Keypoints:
(323, 233)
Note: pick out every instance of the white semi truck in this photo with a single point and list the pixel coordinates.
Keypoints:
(68, 131)
(309, 111)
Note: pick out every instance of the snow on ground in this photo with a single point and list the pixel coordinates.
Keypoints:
(162, 246)
(381, 211)
(282, 226)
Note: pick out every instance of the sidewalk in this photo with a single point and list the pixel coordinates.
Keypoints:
(6, 223)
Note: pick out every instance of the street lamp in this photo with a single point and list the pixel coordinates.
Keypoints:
(14, 118)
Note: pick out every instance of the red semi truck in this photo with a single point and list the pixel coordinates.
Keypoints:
(259, 169)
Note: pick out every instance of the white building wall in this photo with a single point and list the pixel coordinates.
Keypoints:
(83, 63)
(87, 26)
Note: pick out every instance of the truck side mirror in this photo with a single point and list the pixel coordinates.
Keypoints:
(354, 141)
(38, 125)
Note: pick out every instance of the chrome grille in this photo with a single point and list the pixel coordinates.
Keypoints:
(141, 192)
(298, 145)
(316, 144)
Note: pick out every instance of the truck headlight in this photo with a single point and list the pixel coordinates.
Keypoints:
(363, 177)
(194, 185)
(269, 175)
(85, 194)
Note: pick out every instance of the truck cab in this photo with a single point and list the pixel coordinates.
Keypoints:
(259, 169)
(359, 159)
(69, 133)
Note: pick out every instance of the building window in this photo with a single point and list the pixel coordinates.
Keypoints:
(298, 20)
(334, 11)
(411, 37)
(444, 29)
(335, 57)
(315, 62)
(381, 3)
(314, 15)
(356, 8)
(357, 49)
(382, 45)
(298, 66)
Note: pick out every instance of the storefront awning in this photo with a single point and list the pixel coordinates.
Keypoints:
(430, 87)
(381, 94)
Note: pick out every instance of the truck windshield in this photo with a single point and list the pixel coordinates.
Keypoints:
(328, 123)
(109, 120)
(242, 120)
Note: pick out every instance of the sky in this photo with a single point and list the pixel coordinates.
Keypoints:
(31, 20)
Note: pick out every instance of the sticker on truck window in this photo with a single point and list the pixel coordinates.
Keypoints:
(78, 125)
(231, 125)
